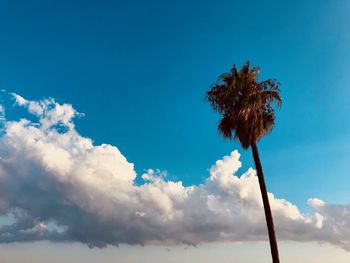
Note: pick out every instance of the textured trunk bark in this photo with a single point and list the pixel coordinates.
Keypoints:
(267, 209)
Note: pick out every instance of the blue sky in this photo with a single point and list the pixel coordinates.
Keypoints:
(139, 70)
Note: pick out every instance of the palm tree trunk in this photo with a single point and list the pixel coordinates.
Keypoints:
(268, 214)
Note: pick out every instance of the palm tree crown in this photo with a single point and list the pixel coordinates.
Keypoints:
(246, 105)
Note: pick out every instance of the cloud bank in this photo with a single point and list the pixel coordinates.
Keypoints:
(57, 185)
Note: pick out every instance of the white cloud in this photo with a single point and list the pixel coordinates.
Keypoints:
(54, 177)
(19, 99)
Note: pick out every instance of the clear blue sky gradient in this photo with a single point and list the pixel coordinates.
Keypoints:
(139, 71)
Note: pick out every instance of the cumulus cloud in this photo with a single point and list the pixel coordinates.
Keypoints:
(57, 185)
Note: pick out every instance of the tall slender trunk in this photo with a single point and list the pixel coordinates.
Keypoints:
(267, 209)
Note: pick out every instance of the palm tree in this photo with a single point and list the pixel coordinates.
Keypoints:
(246, 107)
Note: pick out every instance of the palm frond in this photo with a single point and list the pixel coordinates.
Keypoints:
(245, 104)
(226, 127)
